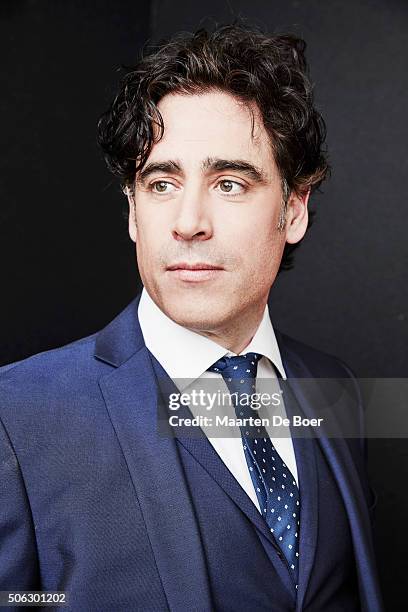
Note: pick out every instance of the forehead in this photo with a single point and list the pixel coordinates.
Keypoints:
(212, 124)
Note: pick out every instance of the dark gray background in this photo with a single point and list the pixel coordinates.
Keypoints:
(67, 264)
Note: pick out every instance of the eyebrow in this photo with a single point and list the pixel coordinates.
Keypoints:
(216, 164)
(210, 164)
(169, 167)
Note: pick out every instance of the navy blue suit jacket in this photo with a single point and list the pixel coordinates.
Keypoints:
(95, 503)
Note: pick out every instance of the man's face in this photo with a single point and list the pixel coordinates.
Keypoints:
(210, 195)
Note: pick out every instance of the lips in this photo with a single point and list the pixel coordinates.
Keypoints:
(194, 273)
(197, 266)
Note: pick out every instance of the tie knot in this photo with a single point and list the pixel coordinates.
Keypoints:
(241, 366)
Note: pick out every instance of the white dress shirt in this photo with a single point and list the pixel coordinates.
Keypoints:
(185, 354)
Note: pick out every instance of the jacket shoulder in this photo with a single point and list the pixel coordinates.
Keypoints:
(50, 360)
(336, 380)
(50, 378)
(319, 363)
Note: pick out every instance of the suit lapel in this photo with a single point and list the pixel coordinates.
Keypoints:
(344, 471)
(130, 395)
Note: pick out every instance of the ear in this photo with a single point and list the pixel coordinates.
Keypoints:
(297, 216)
(132, 213)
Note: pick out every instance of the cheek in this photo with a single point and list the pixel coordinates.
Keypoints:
(150, 227)
(145, 248)
(255, 231)
(262, 246)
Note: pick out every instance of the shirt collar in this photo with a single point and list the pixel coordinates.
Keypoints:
(184, 353)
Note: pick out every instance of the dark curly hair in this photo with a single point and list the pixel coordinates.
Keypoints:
(269, 70)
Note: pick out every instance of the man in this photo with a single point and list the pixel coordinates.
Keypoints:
(218, 147)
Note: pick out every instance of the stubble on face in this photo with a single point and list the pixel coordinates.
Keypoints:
(197, 225)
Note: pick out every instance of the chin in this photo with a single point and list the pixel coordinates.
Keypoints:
(199, 314)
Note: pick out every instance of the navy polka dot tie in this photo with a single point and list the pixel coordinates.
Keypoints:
(276, 489)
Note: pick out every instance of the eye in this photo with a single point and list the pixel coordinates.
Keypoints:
(230, 187)
(161, 187)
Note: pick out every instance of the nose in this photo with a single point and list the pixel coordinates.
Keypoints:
(192, 221)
